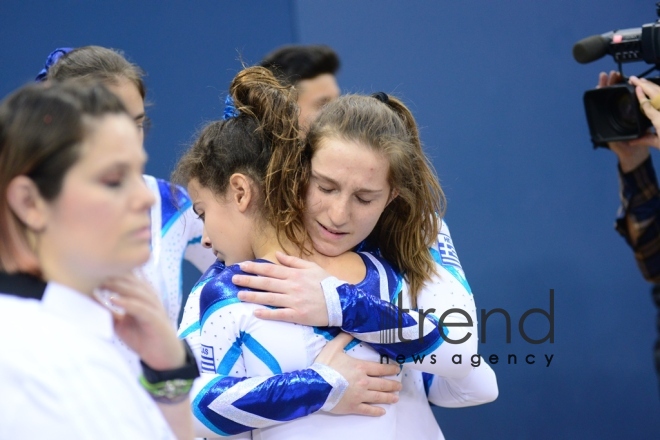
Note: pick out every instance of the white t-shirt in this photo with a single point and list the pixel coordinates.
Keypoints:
(61, 376)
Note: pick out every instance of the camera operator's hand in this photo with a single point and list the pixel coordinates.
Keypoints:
(630, 153)
(646, 92)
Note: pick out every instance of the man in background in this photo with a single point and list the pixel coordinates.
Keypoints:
(311, 70)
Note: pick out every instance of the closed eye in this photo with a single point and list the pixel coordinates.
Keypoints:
(200, 215)
(112, 183)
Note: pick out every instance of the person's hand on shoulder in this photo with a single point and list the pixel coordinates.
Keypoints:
(294, 287)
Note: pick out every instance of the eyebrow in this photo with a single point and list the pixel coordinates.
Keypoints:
(316, 174)
(122, 166)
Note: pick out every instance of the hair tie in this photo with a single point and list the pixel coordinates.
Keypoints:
(382, 97)
(230, 109)
(53, 57)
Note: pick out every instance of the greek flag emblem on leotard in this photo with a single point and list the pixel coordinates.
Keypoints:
(208, 361)
(447, 252)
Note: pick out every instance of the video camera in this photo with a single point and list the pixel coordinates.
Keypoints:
(613, 112)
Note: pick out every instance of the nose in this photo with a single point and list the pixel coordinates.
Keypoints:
(339, 212)
(141, 134)
(206, 240)
(144, 198)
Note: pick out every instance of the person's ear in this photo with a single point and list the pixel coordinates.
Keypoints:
(393, 195)
(27, 203)
(241, 191)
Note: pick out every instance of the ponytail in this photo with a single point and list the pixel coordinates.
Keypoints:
(264, 123)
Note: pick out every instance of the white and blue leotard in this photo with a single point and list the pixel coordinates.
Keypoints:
(376, 321)
(176, 234)
(260, 374)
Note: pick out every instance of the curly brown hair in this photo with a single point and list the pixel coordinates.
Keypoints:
(266, 125)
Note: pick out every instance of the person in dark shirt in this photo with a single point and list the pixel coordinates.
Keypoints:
(638, 220)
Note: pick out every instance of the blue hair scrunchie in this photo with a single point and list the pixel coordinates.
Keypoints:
(230, 109)
(53, 57)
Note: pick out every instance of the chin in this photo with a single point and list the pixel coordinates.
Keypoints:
(329, 251)
(133, 260)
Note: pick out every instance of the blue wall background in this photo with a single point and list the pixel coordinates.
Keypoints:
(499, 101)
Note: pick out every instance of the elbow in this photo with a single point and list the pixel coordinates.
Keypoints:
(488, 391)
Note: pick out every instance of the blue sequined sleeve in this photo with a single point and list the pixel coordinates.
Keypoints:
(228, 405)
(415, 337)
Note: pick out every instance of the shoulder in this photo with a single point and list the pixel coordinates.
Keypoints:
(377, 266)
(214, 270)
(219, 289)
(375, 262)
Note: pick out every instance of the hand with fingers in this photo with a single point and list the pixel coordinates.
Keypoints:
(648, 94)
(144, 325)
(630, 153)
(293, 287)
(367, 385)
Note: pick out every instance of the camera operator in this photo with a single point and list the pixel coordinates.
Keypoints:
(639, 216)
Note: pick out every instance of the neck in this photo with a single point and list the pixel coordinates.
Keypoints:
(58, 268)
(265, 244)
(347, 266)
(71, 279)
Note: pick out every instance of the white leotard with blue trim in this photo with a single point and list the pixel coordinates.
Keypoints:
(176, 234)
(367, 318)
(235, 345)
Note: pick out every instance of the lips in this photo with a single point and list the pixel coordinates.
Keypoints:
(331, 233)
(143, 233)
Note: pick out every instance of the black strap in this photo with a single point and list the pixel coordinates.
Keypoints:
(22, 285)
(188, 371)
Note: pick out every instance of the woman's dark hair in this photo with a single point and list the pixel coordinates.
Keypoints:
(99, 64)
(266, 125)
(41, 130)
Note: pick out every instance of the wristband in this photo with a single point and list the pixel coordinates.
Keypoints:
(169, 391)
(170, 386)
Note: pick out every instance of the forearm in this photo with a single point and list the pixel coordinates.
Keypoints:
(390, 329)
(225, 405)
(477, 388)
(439, 337)
(179, 417)
(638, 221)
